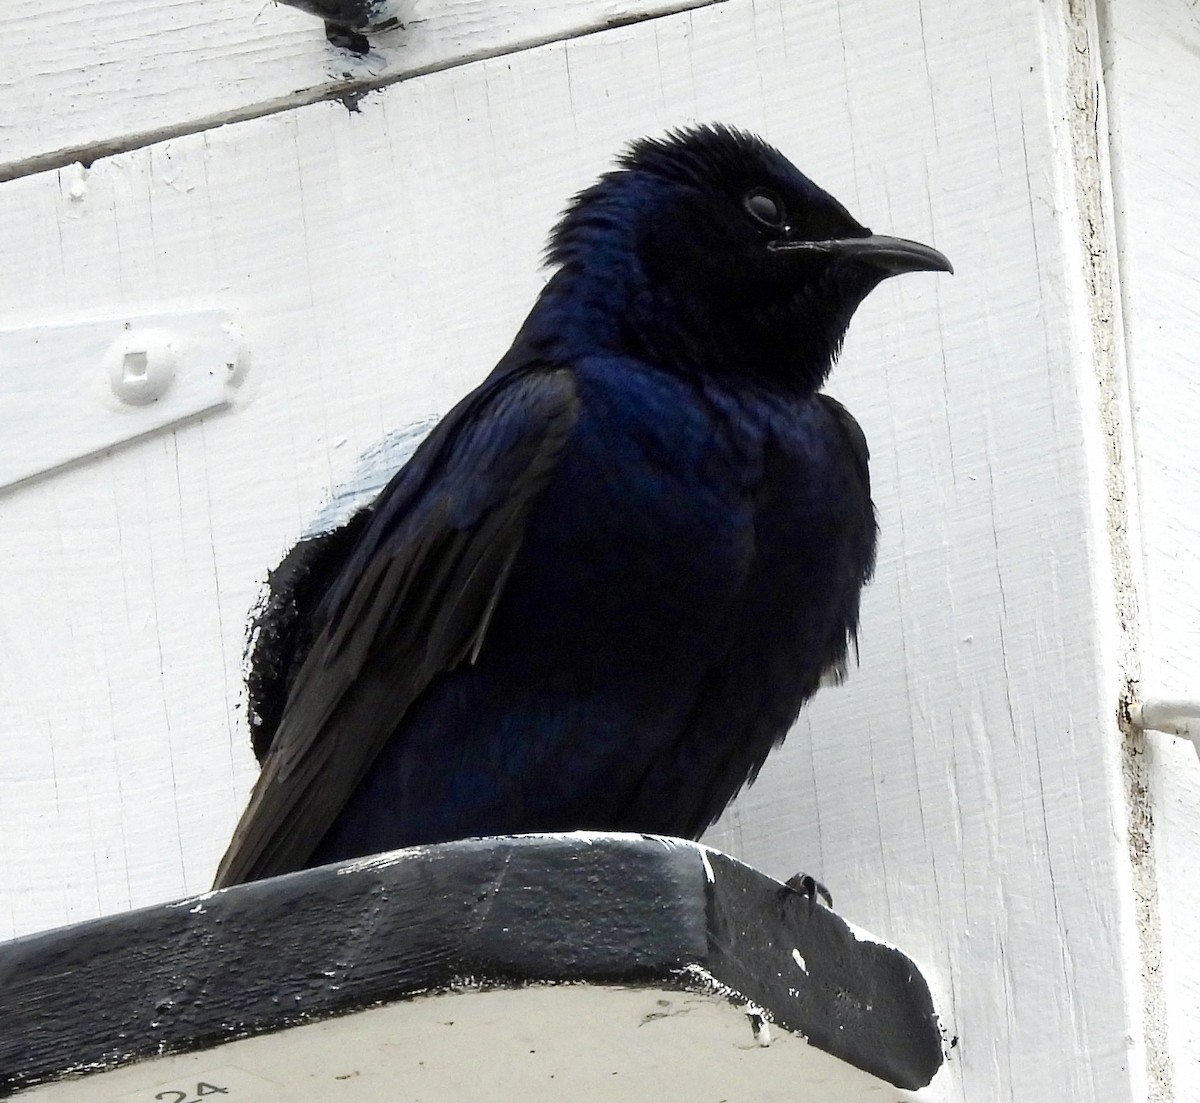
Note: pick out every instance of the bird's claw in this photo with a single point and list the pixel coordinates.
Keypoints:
(809, 887)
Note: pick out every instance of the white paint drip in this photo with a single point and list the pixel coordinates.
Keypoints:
(799, 960)
(194, 902)
(76, 177)
(760, 1022)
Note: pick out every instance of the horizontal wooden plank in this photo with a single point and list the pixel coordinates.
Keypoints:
(81, 80)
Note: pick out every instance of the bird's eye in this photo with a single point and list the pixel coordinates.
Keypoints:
(765, 207)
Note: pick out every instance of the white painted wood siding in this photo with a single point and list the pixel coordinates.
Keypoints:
(82, 78)
(962, 795)
(1152, 54)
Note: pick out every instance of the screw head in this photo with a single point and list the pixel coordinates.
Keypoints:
(141, 365)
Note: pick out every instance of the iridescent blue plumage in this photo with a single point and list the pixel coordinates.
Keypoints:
(603, 587)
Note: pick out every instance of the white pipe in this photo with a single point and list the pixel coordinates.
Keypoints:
(1173, 715)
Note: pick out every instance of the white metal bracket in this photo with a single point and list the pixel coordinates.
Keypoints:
(1173, 715)
(70, 391)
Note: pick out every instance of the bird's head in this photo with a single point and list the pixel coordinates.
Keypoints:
(712, 251)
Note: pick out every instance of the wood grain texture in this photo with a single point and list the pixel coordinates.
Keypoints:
(1153, 79)
(960, 795)
(82, 80)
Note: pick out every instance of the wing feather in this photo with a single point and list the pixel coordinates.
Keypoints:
(413, 599)
(859, 453)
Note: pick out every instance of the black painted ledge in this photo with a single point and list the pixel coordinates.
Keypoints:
(604, 910)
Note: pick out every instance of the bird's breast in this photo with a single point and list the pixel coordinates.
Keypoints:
(674, 511)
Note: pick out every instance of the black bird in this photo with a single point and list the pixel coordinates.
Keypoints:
(602, 588)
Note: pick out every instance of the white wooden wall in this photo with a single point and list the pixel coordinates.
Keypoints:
(1152, 71)
(968, 794)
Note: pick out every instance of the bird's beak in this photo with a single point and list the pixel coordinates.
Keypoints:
(891, 255)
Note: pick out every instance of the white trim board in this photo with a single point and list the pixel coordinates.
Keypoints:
(85, 80)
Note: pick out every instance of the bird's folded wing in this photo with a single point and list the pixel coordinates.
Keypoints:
(856, 439)
(413, 599)
(855, 442)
